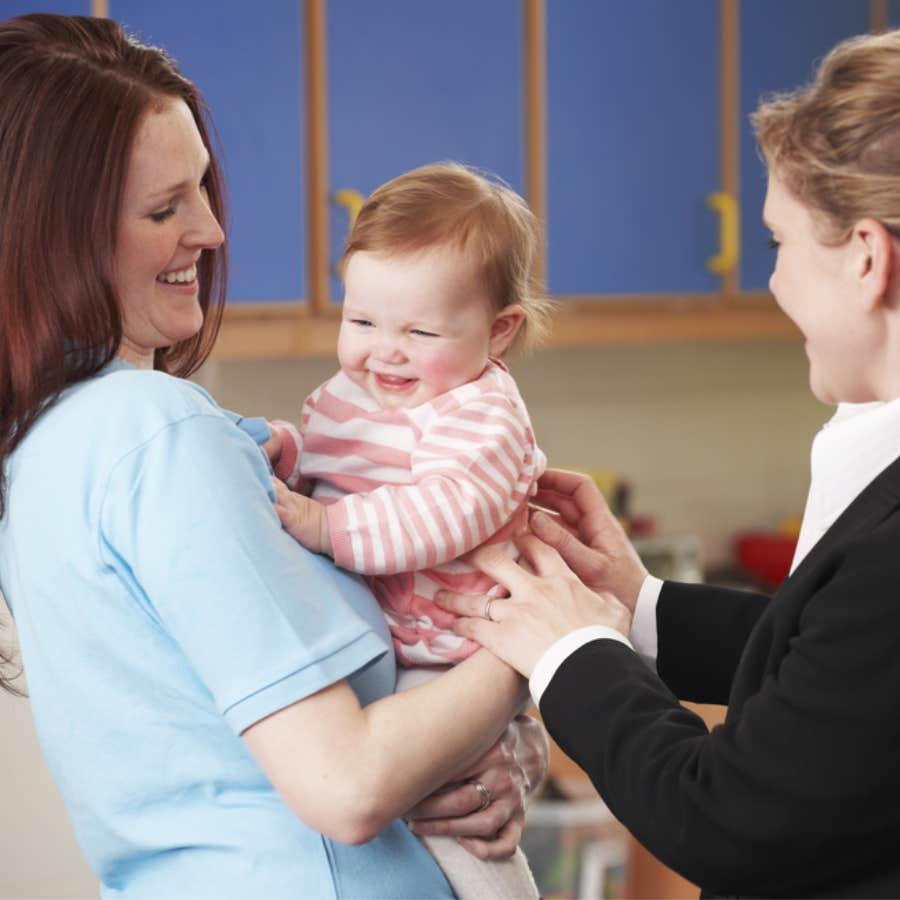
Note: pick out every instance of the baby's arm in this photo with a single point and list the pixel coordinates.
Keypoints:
(283, 449)
(472, 470)
(285, 446)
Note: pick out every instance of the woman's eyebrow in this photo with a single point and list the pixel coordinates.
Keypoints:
(174, 189)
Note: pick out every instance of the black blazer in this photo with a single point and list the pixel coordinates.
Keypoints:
(798, 792)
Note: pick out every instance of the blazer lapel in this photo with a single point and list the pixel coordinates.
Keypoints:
(872, 505)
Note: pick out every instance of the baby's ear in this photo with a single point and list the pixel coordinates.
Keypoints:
(504, 328)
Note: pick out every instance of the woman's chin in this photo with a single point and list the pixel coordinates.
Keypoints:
(820, 390)
(185, 327)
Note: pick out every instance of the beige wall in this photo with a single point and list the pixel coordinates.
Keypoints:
(712, 437)
(38, 853)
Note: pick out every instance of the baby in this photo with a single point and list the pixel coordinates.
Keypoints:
(420, 448)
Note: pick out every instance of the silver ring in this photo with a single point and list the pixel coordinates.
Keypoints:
(483, 793)
(487, 615)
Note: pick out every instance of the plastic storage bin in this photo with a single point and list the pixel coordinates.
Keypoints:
(576, 849)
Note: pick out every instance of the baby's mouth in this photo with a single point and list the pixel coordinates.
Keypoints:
(393, 382)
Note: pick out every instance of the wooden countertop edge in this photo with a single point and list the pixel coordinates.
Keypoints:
(279, 330)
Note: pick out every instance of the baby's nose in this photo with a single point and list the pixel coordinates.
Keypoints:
(389, 351)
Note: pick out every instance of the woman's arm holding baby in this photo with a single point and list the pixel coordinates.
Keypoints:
(512, 771)
(311, 750)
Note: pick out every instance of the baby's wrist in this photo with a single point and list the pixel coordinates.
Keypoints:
(287, 463)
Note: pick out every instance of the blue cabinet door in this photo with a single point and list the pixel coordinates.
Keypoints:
(412, 82)
(632, 145)
(781, 43)
(246, 61)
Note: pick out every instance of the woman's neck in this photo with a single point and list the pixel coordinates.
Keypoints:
(139, 357)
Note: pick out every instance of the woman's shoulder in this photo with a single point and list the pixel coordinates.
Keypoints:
(146, 391)
(136, 396)
(118, 419)
(118, 410)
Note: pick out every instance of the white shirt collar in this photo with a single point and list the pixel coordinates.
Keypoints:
(853, 447)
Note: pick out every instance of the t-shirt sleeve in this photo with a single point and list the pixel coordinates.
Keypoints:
(256, 426)
(187, 524)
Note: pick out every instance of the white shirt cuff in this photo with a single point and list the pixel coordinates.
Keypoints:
(643, 623)
(555, 655)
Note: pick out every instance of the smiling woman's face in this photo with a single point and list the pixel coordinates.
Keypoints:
(165, 224)
(814, 285)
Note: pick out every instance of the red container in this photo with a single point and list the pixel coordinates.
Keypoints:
(766, 555)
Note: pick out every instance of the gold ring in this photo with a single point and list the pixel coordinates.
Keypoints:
(483, 793)
(487, 612)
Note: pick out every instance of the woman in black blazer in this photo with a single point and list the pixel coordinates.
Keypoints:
(798, 792)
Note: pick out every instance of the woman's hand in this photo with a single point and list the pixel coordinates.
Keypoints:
(546, 602)
(511, 772)
(587, 535)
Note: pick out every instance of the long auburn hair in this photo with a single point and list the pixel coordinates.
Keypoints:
(73, 91)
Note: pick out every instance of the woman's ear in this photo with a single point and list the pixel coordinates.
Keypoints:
(872, 260)
(504, 328)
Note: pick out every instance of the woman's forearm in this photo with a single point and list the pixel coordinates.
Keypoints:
(348, 771)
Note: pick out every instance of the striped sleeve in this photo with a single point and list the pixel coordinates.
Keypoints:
(289, 466)
(473, 468)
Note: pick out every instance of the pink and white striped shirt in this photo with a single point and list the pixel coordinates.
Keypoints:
(410, 491)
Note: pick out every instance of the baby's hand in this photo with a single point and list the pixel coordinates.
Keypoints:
(302, 518)
(273, 445)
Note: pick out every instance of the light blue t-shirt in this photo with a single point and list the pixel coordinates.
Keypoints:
(161, 610)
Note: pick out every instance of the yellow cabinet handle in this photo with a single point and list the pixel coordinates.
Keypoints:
(729, 233)
(353, 200)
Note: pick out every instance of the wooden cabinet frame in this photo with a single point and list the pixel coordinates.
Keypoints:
(310, 328)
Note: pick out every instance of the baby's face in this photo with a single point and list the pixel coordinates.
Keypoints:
(414, 326)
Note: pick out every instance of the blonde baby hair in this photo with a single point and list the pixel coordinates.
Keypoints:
(451, 205)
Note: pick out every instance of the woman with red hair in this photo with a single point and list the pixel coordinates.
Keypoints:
(213, 701)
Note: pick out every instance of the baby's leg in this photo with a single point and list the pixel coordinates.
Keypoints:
(470, 877)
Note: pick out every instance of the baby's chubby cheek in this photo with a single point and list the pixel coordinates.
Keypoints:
(447, 370)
